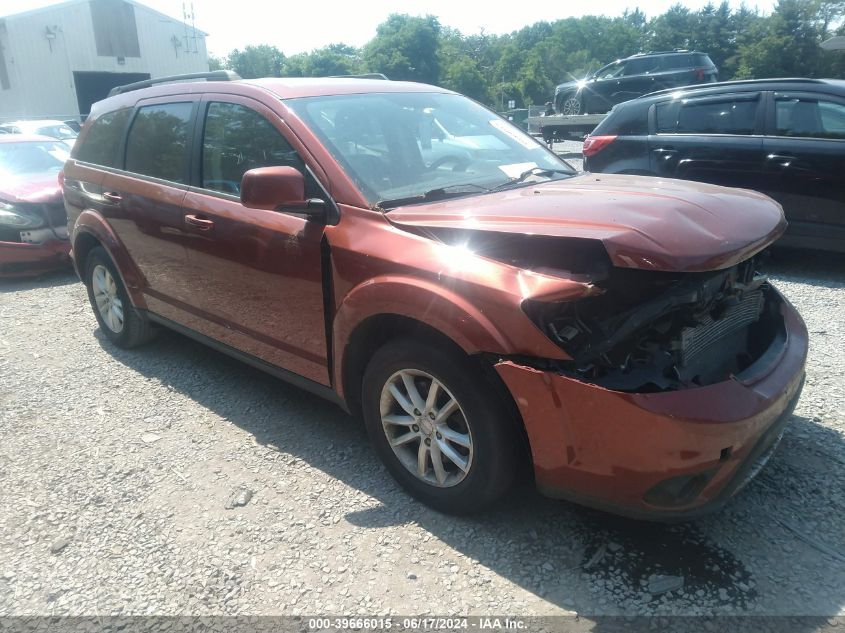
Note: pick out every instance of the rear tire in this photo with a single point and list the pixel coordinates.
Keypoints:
(122, 324)
(457, 450)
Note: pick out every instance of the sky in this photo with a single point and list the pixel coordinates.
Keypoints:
(285, 24)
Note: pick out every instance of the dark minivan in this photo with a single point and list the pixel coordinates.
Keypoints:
(782, 137)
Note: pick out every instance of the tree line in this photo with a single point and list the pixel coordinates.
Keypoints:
(524, 66)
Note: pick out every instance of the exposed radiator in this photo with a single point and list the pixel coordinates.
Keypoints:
(695, 340)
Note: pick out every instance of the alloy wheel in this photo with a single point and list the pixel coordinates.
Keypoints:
(572, 105)
(109, 304)
(426, 428)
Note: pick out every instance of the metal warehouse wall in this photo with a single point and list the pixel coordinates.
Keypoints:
(42, 49)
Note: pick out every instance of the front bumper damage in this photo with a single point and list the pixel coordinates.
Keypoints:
(666, 455)
(22, 259)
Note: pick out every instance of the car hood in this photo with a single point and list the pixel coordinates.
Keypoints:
(570, 85)
(645, 223)
(38, 188)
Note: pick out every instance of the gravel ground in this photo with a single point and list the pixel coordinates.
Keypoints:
(117, 468)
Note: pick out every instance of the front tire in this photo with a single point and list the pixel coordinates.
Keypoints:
(570, 104)
(441, 430)
(122, 324)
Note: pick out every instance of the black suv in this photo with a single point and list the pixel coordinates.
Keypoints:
(629, 78)
(782, 137)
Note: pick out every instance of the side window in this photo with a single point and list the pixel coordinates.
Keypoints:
(731, 116)
(157, 145)
(237, 139)
(674, 62)
(611, 70)
(103, 139)
(641, 66)
(808, 117)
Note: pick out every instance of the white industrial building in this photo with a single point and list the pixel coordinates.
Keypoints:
(56, 61)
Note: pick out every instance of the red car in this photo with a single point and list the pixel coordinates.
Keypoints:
(33, 222)
(480, 315)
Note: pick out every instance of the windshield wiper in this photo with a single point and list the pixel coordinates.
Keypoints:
(531, 172)
(439, 193)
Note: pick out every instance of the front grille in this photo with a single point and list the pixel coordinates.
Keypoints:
(694, 340)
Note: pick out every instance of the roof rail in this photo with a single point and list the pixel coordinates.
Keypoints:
(215, 75)
(738, 83)
(361, 76)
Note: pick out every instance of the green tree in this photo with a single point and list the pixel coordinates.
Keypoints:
(257, 61)
(463, 75)
(405, 48)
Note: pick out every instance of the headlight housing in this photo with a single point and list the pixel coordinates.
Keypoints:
(15, 217)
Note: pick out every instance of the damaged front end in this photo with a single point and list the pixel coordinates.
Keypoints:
(660, 331)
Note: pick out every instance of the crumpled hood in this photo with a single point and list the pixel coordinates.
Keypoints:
(645, 223)
(36, 188)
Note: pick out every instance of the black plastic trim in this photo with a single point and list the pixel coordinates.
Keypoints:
(288, 376)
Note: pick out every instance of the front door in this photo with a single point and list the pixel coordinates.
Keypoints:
(805, 165)
(256, 275)
(712, 139)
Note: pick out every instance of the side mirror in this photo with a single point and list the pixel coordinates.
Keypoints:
(278, 189)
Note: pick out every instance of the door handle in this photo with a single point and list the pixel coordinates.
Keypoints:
(112, 198)
(784, 160)
(198, 222)
(665, 152)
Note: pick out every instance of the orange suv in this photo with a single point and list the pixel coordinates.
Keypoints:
(407, 253)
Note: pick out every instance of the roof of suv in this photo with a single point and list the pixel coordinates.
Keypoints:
(282, 87)
(748, 84)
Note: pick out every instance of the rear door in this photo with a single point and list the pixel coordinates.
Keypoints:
(143, 200)
(256, 275)
(639, 78)
(714, 139)
(805, 162)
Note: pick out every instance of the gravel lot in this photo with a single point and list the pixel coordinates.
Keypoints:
(117, 468)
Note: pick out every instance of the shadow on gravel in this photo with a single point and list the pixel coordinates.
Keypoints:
(816, 268)
(749, 558)
(62, 277)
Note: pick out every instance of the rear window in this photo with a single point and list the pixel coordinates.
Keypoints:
(728, 116)
(700, 60)
(157, 145)
(103, 139)
(629, 119)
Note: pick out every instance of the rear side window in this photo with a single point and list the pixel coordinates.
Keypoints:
(101, 143)
(729, 116)
(676, 62)
(641, 66)
(237, 139)
(808, 117)
(157, 145)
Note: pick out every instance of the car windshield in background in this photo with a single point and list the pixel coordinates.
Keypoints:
(63, 132)
(32, 157)
(397, 147)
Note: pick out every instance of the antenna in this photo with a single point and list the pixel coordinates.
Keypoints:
(194, 28)
(185, 26)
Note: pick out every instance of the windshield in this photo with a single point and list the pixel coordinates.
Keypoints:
(397, 146)
(32, 157)
(63, 132)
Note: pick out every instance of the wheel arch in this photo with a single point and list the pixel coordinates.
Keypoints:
(378, 329)
(92, 230)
